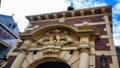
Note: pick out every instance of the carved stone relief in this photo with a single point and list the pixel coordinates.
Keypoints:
(53, 40)
(57, 37)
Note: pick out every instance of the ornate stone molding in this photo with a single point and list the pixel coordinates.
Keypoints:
(53, 41)
(57, 37)
(87, 50)
(73, 13)
(24, 49)
(51, 53)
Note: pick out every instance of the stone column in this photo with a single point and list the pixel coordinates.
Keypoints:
(84, 60)
(19, 60)
(84, 54)
(20, 57)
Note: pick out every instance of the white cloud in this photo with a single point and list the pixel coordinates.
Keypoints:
(116, 8)
(116, 33)
(79, 4)
(117, 42)
(117, 0)
(116, 29)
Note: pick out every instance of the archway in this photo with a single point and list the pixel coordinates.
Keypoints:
(48, 62)
(53, 65)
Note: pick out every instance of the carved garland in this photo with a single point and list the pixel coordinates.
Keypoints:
(55, 38)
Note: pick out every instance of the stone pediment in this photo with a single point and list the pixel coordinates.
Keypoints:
(39, 31)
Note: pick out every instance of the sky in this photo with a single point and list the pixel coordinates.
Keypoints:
(22, 8)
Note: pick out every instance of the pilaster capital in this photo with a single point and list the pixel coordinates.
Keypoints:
(27, 42)
(84, 49)
(24, 49)
(83, 44)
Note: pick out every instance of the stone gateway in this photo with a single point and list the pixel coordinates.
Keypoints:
(68, 39)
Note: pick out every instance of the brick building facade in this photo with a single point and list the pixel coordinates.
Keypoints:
(76, 39)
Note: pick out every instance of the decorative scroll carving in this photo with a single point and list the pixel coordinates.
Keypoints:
(53, 40)
(47, 53)
(57, 37)
(24, 49)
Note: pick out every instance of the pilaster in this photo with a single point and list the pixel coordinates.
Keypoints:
(84, 58)
(20, 58)
(84, 51)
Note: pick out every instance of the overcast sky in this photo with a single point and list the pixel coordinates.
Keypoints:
(22, 8)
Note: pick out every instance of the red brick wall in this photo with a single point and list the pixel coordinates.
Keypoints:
(86, 19)
(100, 28)
(72, 21)
(100, 45)
(44, 23)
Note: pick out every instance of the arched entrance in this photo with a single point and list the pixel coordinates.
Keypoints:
(49, 62)
(53, 65)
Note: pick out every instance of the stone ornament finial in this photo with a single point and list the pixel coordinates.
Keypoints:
(62, 20)
(85, 24)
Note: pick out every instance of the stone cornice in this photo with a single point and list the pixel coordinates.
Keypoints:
(73, 13)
